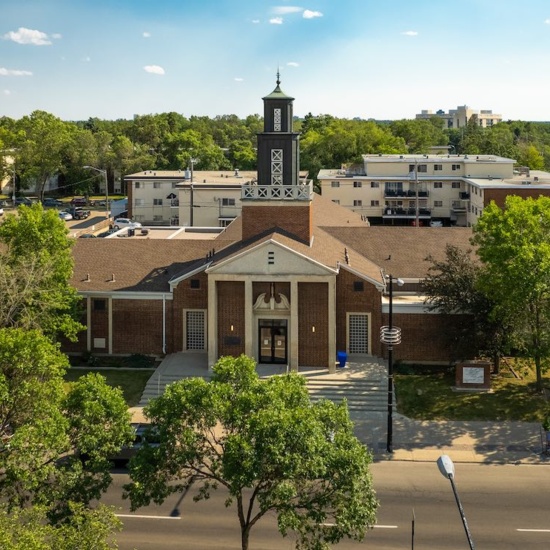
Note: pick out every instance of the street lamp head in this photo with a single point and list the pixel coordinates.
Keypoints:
(392, 279)
(446, 466)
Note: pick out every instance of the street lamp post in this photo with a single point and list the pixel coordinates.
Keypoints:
(104, 172)
(390, 336)
(447, 469)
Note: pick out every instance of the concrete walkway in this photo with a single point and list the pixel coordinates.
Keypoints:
(413, 440)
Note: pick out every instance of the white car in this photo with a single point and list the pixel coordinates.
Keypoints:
(65, 216)
(121, 223)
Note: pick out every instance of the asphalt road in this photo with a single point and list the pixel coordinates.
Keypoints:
(507, 507)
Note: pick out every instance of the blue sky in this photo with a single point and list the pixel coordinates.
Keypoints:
(382, 59)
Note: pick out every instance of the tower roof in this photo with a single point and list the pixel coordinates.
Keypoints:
(277, 93)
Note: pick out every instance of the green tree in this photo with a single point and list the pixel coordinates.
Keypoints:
(86, 529)
(41, 144)
(452, 288)
(35, 269)
(268, 445)
(531, 157)
(514, 245)
(45, 432)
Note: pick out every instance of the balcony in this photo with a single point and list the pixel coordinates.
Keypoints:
(402, 194)
(464, 196)
(174, 203)
(407, 213)
(458, 206)
(302, 192)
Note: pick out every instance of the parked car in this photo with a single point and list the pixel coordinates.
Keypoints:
(120, 223)
(87, 236)
(79, 213)
(51, 202)
(22, 200)
(79, 201)
(144, 434)
(65, 216)
(436, 223)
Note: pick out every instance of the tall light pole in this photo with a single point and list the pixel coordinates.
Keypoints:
(104, 172)
(390, 336)
(447, 469)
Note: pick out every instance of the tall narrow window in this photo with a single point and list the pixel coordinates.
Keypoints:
(276, 120)
(276, 166)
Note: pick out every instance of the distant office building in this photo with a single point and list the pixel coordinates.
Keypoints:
(459, 117)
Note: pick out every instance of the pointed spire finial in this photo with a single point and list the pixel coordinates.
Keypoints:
(278, 77)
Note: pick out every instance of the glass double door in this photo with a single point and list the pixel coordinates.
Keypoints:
(272, 340)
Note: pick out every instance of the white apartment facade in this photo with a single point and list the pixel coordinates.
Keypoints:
(418, 189)
(459, 117)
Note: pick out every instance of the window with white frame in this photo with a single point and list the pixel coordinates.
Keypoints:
(438, 167)
(357, 184)
(358, 333)
(157, 202)
(156, 185)
(456, 166)
(374, 185)
(375, 203)
(455, 185)
(335, 184)
(137, 185)
(422, 168)
(158, 218)
(195, 330)
(438, 204)
(139, 202)
(438, 184)
(276, 166)
(228, 202)
(358, 203)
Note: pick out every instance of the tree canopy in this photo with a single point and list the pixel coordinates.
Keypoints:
(514, 245)
(268, 445)
(35, 269)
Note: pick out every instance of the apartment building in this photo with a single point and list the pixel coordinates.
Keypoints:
(186, 198)
(428, 189)
(459, 117)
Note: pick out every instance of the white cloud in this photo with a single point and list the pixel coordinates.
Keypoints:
(239, 79)
(153, 69)
(255, 21)
(7, 92)
(410, 33)
(56, 36)
(146, 34)
(308, 14)
(28, 36)
(276, 20)
(547, 21)
(293, 64)
(285, 10)
(13, 72)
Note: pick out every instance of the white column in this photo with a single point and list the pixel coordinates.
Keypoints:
(212, 322)
(294, 344)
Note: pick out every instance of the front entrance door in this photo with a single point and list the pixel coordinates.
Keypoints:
(272, 341)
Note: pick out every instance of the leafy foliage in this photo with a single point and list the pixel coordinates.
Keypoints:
(268, 445)
(35, 268)
(514, 245)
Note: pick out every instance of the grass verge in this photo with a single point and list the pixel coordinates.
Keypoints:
(429, 395)
(132, 382)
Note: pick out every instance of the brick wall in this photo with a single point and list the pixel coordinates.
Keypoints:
(185, 297)
(293, 219)
(499, 195)
(367, 300)
(230, 313)
(313, 312)
(137, 326)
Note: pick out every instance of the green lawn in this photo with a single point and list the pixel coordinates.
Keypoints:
(132, 382)
(429, 396)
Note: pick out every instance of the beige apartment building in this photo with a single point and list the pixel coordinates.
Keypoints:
(459, 117)
(185, 198)
(428, 189)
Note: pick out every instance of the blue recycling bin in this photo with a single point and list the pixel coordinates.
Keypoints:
(342, 357)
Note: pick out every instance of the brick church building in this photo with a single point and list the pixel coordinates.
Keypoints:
(293, 280)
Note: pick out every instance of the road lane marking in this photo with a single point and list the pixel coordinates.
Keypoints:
(385, 526)
(144, 517)
(534, 530)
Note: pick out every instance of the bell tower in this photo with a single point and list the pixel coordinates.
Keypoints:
(279, 200)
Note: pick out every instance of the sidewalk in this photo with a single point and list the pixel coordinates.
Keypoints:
(481, 442)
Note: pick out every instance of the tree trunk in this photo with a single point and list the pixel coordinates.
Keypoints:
(496, 363)
(245, 533)
(538, 369)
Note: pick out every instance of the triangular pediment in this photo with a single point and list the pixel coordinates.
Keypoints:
(270, 258)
